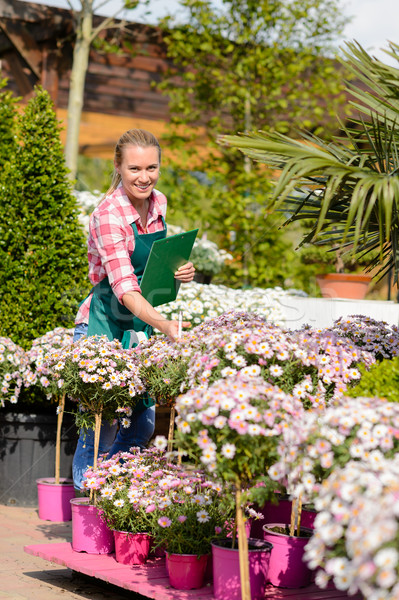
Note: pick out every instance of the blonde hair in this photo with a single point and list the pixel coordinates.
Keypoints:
(132, 137)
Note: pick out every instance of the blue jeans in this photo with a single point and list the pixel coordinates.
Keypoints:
(112, 437)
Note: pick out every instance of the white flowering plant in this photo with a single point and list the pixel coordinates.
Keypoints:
(199, 302)
(144, 492)
(377, 337)
(232, 428)
(124, 486)
(356, 531)
(191, 513)
(13, 364)
(207, 257)
(363, 429)
(36, 373)
(314, 366)
(100, 374)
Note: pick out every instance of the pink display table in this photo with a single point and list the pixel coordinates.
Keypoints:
(151, 579)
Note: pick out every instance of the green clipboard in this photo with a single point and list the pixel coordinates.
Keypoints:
(158, 284)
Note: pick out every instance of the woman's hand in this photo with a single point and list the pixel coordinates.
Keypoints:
(185, 273)
(171, 329)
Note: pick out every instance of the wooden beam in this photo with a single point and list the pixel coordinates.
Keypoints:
(25, 82)
(24, 43)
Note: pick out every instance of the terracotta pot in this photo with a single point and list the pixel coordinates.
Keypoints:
(344, 285)
(54, 499)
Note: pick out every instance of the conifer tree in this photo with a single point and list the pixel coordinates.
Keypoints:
(43, 273)
(8, 113)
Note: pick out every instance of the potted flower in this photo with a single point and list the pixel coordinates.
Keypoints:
(54, 493)
(338, 273)
(313, 365)
(355, 539)
(124, 486)
(16, 444)
(104, 377)
(192, 513)
(13, 364)
(208, 259)
(350, 429)
(377, 337)
(232, 428)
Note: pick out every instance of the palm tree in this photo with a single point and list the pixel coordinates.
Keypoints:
(348, 190)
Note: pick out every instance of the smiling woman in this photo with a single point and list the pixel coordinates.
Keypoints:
(122, 230)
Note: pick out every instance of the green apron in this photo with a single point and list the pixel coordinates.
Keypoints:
(108, 316)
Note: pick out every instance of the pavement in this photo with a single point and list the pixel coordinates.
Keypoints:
(26, 577)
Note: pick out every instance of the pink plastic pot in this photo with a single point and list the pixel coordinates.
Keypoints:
(186, 571)
(54, 500)
(287, 568)
(308, 517)
(89, 531)
(132, 548)
(226, 569)
(279, 512)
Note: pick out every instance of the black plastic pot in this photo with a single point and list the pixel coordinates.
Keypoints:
(27, 453)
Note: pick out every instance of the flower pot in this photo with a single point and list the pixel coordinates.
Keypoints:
(54, 500)
(344, 285)
(89, 531)
(308, 517)
(287, 568)
(272, 513)
(226, 569)
(186, 571)
(280, 513)
(132, 548)
(27, 453)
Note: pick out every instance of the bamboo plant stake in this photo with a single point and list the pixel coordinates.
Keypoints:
(60, 416)
(97, 431)
(242, 548)
(296, 514)
(171, 427)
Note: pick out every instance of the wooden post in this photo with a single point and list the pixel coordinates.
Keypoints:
(242, 549)
(60, 416)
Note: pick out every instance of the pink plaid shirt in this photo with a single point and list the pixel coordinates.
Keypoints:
(111, 242)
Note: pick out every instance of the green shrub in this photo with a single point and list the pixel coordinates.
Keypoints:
(381, 380)
(43, 260)
(8, 114)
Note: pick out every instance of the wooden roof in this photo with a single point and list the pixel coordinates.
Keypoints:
(36, 45)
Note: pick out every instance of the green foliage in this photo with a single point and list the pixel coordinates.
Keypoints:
(236, 66)
(382, 380)
(347, 188)
(8, 113)
(254, 64)
(42, 245)
(93, 174)
(234, 214)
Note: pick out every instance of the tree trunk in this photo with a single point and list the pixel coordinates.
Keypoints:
(80, 64)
